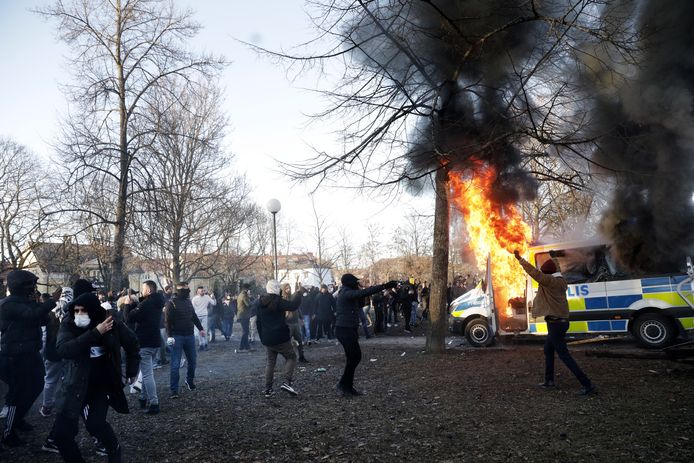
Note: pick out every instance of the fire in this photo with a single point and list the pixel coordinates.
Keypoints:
(495, 229)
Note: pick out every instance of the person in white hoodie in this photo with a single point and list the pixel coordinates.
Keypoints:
(201, 302)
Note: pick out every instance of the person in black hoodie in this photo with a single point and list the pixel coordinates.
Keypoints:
(147, 317)
(274, 334)
(21, 318)
(325, 310)
(347, 324)
(90, 343)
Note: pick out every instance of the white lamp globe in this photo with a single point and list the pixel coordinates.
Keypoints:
(274, 206)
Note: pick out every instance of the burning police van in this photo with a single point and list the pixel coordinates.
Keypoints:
(603, 299)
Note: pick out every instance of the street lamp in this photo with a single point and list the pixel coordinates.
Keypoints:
(274, 207)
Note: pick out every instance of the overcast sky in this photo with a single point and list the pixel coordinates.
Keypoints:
(267, 110)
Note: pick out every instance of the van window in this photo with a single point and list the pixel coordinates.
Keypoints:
(585, 265)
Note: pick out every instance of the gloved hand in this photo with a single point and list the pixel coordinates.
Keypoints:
(517, 254)
(170, 341)
(391, 284)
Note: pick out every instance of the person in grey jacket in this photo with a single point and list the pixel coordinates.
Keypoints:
(346, 326)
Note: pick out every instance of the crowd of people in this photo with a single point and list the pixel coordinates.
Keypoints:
(82, 347)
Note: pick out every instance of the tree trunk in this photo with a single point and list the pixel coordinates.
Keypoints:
(121, 201)
(438, 310)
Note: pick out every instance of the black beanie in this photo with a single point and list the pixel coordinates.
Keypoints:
(21, 282)
(350, 280)
(549, 267)
(82, 286)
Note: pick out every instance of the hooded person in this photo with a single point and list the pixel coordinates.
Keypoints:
(21, 365)
(550, 302)
(347, 323)
(90, 342)
(275, 335)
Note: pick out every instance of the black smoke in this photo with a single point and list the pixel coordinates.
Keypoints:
(646, 130)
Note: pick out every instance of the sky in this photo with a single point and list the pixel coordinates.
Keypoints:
(267, 106)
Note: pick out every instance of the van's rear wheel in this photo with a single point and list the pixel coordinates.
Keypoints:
(654, 331)
(478, 333)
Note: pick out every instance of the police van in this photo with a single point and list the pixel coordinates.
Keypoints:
(603, 299)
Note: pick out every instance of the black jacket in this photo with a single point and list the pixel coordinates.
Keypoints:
(148, 315)
(325, 306)
(180, 317)
(74, 344)
(271, 323)
(50, 352)
(21, 319)
(349, 303)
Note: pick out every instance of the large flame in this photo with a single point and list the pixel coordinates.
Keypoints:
(494, 229)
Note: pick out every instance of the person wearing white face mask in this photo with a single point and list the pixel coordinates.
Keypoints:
(90, 342)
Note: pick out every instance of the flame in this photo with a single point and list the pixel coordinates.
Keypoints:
(495, 229)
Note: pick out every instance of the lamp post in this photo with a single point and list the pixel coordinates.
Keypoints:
(274, 207)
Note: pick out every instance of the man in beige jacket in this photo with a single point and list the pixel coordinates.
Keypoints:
(550, 302)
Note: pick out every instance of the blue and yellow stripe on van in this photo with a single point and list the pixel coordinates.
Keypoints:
(606, 307)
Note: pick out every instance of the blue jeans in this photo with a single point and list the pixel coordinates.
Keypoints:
(227, 324)
(364, 322)
(149, 387)
(413, 315)
(185, 344)
(245, 324)
(556, 342)
(307, 327)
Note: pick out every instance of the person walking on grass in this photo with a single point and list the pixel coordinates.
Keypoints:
(181, 321)
(550, 302)
(274, 335)
(347, 324)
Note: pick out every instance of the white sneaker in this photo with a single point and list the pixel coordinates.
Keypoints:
(287, 387)
(3, 412)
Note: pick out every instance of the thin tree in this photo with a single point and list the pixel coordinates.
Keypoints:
(123, 53)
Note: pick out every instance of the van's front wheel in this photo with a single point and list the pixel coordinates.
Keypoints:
(654, 331)
(478, 333)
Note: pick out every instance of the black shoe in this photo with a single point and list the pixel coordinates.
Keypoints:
(116, 456)
(342, 390)
(143, 404)
(12, 440)
(302, 359)
(23, 426)
(153, 410)
(191, 385)
(174, 395)
(269, 392)
(547, 385)
(354, 392)
(590, 390)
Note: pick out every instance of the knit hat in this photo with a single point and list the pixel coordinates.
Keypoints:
(21, 281)
(273, 287)
(350, 280)
(82, 286)
(549, 267)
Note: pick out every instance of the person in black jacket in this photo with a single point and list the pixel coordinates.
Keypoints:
(347, 324)
(147, 317)
(325, 311)
(274, 334)
(180, 319)
(21, 318)
(90, 342)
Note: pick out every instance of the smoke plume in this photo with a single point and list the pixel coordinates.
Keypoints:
(649, 144)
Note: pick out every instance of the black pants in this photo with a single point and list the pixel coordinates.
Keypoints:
(378, 310)
(245, 326)
(349, 338)
(556, 342)
(24, 379)
(406, 311)
(324, 328)
(94, 414)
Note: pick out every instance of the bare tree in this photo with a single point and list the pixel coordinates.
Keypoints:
(193, 210)
(123, 54)
(23, 195)
(414, 236)
(346, 253)
(323, 260)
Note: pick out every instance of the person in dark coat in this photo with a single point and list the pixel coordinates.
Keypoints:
(325, 311)
(147, 319)
(347, 324)
(90, 343)
(275, 336)
(21, 365)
